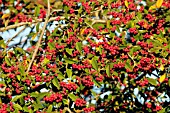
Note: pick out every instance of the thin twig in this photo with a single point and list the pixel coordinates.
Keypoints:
(23, 41)
(40, 38)
(132, 59)
(16, 35)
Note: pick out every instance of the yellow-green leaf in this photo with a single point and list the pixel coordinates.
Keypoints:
(34, 36)
(152, 7)
(5, 16)
(126, 3)
(161, 68)
(162, 78)
(159, 3)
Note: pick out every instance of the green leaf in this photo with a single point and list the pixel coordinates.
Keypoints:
(96, 26)
(69, 51)
(19, 77)
(7, 60)
(18, 96)
(90, 55)
(94, 64)
(60, 76)
(17, 106)
(72, 96)
(51, 45)
(45, 61)
(21, 69)
(128, 66)
(49, 110)
(37, 27)
(25, 109)
(41, 95)
(96, 83)
(34, 94)
(69, 72)
(70, 61)
(65, 101)
(2, 44)
(162, 111)
(37, 106)
(169, 82)
(79, 46)
(108, 70)
(115, 73)
(55, 82)
(152, 81)
(37, 11)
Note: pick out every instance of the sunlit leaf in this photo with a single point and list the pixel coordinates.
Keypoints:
(37, 11)
(72, 96)
(17, 106)
(162, 78)
(7, 60)
(159, 3)
(94, 64)
(5, 16)
(108, 70)
(152, 81)
(69, 72)
(161, 68)
(55, 82)
(69, 51)
(18, 96)
(152, 7)
(79, 46)
(49, 110)
(126, 3)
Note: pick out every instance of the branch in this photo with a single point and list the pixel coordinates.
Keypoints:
(40, 38)
(15, 35)
(131, 59)
(41, 20)
(67, 109)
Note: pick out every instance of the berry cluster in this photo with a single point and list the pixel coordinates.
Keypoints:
(80, 102)
(88, 110)
(87, 81)
(69, 86)
(57, 97)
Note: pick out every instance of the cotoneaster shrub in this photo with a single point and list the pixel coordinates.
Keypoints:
(114, 45)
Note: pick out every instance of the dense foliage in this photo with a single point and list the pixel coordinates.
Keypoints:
(119, 46)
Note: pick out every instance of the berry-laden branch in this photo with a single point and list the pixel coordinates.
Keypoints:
(40, 38)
